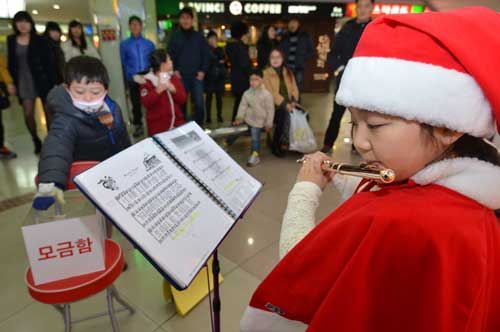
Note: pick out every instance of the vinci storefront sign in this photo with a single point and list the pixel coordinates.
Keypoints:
(236, 8)
(387, 9)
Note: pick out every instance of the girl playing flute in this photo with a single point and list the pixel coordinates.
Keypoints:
(422, 253)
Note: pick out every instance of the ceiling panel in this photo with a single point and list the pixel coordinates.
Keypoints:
(70, 9)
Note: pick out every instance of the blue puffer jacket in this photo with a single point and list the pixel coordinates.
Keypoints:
(135, 53)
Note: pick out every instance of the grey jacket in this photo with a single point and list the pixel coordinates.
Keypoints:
(75, 135)
(257, 108)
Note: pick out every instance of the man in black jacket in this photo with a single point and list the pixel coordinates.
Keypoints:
(343, 49)
(297, 47)
(190, 54)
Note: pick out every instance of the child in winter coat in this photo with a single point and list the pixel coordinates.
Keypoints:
(257, 111)
(422, 253)
(87, 125)
(162, 93)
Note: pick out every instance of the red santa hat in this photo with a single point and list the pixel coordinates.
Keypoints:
(436, 68)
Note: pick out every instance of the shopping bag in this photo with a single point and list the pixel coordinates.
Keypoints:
(301, 135)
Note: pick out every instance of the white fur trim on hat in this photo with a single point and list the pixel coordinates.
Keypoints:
(417, 91)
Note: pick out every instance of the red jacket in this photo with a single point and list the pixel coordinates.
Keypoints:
(412, 258)
(159, 115)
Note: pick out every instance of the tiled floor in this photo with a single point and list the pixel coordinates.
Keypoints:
(248, 254)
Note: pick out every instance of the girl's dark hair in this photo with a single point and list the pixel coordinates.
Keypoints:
(264, 37)
(52, 26)
(471, 147)
(83, 40)
(23, 16)
(285, 68)
(156, 58)
(87, 68)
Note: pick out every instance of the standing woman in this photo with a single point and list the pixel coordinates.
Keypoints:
(53, 35)
(77, 43)
(241, 64)
(280, 81)
(31, 68)
(266, 43)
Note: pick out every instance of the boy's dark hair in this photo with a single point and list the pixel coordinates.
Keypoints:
(156, 58)
(52, 26)
(238, 30)
(211, 34)
(356, 1)
(186, 10)
(87, 68)
(134, 18)
(257, 72)
(83, 40)
(23, 16)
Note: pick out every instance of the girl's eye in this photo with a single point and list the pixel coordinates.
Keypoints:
(373, 126)
(353, 124)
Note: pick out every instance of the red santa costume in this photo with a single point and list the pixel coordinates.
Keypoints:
(164, 109)
(423, 255)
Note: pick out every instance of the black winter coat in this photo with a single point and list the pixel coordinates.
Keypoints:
(241, 65)
(75, 135)
(345, 44)
(264, 48)
(57, 58)
(190, 52)
(305, 49)
(216, 75)
(41, 63)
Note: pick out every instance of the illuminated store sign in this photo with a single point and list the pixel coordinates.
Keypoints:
(301, 9)
(205, 7)
(250, 8)
(388, 9)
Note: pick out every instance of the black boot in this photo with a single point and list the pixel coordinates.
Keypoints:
(38, 145)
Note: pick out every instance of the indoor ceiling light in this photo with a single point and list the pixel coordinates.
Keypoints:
(56, 6)
(34, 12)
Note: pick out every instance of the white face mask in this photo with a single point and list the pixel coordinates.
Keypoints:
(89, 107)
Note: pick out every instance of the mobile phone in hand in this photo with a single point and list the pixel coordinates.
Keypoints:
(164, 78)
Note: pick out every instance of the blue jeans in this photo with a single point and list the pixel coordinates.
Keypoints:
(255, 133)
(195, 87)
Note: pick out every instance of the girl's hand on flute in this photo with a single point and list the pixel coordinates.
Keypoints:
(312, 171)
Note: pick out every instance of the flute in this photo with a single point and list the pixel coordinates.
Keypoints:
(366, 171)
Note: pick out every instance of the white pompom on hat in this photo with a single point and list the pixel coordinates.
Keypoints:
(441, 69)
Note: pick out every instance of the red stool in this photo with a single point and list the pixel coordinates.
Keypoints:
(62, 293)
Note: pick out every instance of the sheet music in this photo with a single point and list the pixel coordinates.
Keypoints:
(212, 165)
(160, 207)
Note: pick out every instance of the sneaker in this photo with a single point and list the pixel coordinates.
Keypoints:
(225, 145)
(5, 153)
(326, 149)
(138, 131)
(254, 159)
